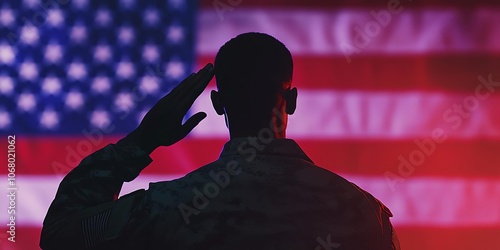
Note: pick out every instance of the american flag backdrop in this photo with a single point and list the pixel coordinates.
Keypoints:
(400, 97)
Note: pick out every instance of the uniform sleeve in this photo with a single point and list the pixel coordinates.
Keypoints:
(389, 236)
(86, 214)
(395, 240)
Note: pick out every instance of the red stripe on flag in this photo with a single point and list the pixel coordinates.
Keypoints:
(399, 157)
(26, 238)
(57, 156)
(462, 238)
(354, 157)
(458, 73)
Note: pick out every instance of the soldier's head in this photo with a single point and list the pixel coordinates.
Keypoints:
(253, 72)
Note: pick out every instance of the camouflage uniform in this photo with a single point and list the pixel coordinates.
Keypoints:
(257, 195)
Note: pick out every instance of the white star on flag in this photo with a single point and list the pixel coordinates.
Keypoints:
(4, 119)
(101, 84)
(103, 17)
(175, 34)
(51, 85)
(174, 69)
(49, 119)
(74, 100)
(7, 54)
(126, 35)
(150, 53)
(149, 84)
(28, 70)
(26, 102)
(29, 34)
(151, 17)
(99, 119)
(77, 71)
(6, 85)
(53, 53)
(125, 70)
(55, 17)
(124, 101)
(102, 53)
(6, 17)
(78, 33)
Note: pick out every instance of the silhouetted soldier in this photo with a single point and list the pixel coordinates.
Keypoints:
(262, 193)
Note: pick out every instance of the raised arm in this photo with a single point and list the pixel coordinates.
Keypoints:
(86, 213)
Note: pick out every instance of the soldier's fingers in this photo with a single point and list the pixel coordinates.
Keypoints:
(179, 88)
(199, 79)
(196, 87)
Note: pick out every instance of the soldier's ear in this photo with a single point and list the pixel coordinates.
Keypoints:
(291, 100)
(216, 102)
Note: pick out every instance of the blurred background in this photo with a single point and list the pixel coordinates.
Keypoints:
(400, 97)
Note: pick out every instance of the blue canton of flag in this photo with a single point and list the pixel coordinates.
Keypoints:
(70, 66)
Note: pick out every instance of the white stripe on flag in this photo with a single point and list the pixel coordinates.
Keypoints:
(330, 32)
(328, 114)
(437, 201)
(417, 201)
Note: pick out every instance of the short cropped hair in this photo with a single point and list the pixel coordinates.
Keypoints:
(251, 69)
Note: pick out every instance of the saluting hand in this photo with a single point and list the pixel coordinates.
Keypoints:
(162, 125)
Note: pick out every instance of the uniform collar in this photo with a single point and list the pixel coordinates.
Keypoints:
(263, 146)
